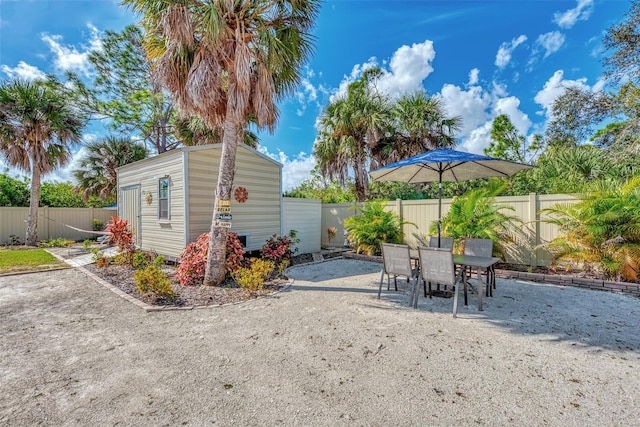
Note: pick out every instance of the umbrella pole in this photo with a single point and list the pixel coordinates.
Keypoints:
(439, 207)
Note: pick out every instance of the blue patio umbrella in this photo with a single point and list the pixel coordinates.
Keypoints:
(446, 165)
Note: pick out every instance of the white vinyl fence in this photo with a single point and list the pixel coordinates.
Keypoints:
(302, 215)
(312, 221)
(51, 222)
(423, 213)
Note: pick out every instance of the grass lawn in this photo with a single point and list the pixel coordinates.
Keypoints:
(16, 260)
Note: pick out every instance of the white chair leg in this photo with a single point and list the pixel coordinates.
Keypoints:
(381, 279)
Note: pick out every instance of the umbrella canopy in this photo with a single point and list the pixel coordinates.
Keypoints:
(446, 165)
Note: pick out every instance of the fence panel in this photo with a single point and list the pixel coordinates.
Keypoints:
(51, 222)
(304, 216)
(333, 215)
(527, 237)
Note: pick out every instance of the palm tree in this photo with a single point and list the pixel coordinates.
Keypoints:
(36, 127)
(96, 175)
(476, 214)
(601, 231)
(350, 127)
(226, 61)
(420, 124)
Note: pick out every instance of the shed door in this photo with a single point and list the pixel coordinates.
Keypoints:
(130, 210)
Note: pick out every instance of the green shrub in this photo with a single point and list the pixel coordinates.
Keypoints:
(254, 276)
(152, 280)
(55, 243)
(159, 261)
(139, 260)
(98, 224)
(372, 226)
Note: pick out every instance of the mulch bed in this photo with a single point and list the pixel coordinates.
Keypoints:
(190, 296)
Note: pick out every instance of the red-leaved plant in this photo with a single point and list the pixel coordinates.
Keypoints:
(278, 248)
(193, 259)
(121, 234)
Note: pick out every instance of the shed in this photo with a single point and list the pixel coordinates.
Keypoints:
(168, 199)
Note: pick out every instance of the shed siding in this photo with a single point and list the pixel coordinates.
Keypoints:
(161, 236)
(259, 216)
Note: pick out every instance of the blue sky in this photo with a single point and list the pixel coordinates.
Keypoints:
(483, 58)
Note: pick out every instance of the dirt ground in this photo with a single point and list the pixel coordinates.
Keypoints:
(324, 352)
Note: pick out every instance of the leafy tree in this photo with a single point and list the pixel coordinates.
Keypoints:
(476, 214)
(576, 114)
(395, 190)
(37, 124)
(349, 127)
(96, 175)
(227, 62)
(124, 91)
(622, 40)
(569, 170)
(328, 192)
(60, 195)
(13, 192)
(601, 232)
(507, 143)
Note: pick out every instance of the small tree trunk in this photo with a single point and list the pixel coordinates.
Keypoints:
(216, 270)
(31, 237)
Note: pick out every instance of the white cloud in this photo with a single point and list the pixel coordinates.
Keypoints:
(581, 12)
(294, 171)
(551, 42)
(307, 93)
(511, 107)
(553, 88)
(69, 58)
(503, 57)
(478, 139)
(478, 107)
(408, 67)
(471, 104)
(473, 77)
(24, 71)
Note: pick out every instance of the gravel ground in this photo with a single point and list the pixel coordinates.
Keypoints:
(325, 351)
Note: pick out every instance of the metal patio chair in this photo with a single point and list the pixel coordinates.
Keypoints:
(436, 266)
(396, 261)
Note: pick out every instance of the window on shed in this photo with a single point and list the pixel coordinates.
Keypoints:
(163, 198)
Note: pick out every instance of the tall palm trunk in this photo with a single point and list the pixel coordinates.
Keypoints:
(31, 237)
(361, 179)
(216, 269)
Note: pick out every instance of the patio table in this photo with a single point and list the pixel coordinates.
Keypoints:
(462, 261)
(479, 263)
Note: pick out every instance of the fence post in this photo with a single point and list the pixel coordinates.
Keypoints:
(535, 228)
(45, 224)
